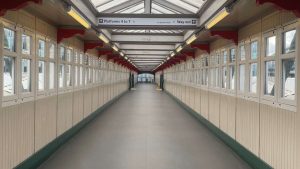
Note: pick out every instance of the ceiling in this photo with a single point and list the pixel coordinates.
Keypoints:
(148, 47)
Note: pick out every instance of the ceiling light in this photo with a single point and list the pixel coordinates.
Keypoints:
(179, 49)
(217, 18)
(103, 38)
(168, 58)
(122, 54)
(191, 39)
(115, 48)
(126, 58)
(75, 14)
(172, 54)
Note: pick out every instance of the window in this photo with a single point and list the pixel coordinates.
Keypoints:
(8, 76)
(289, 79)
(269, 88)
(41, 48)
(289, 41)
(224, 57)
(9, 40)
(253, 78)
(51, 75)
(224, 77)
(61, 75)
(68, 55)
(242, 76)
(52, 51)
(62, 53)
(80, 75)
(26, 42)
(41, 75)
(68, 75)
(76, 76)
(26, 75)
(271, 46)
(232, 55)
(242, 53)
(232, 77)
(254, 50)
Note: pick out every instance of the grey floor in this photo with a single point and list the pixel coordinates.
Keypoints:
(145, 129)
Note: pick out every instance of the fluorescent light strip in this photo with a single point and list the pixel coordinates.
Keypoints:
(179, 48)
(217, 18)
(103, 38)
(115, 48)
(72, 12)
(191, 39)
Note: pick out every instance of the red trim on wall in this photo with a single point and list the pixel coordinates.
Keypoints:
(204, 47)
(63, 33)
(15, 5)
(92, 45)
(230, 35)
(289, 5)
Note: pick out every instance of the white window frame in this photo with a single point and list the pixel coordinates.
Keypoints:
(49, 41)
(240, 62)
(43, 93)
(229, 64)
(28, 95)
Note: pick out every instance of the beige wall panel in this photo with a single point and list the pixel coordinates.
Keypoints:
(17, 134)
(197, 101)
(87, 102)
(219, 43)
(247, 124)
(45, 121)
(64, 112)
(12, 16)
(277, 137)
(250, 30)
(224, 113)
(214, 109)
(204, 103)
(231, 116)
(41, 26)
(192, 98)
(26, 19)
(77, 106)
(95, 98)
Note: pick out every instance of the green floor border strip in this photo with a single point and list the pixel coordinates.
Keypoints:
(254, 161)
(42, 155)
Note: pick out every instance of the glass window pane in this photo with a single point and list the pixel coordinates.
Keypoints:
(224, 77)
(62, 54)
(225, 57)
(61, 75)
(51, 75)
(269, 78)
(8, 76)
(26, 75)
(232, 55)
(41, 76)
(242, 78)
(68, 75)
(86, 76)
(80, 75)
(52, 51)
(288, 79)
(26, 42)
(217, 77)
(41, 48)
(289, 41)
(76, 76)
(9, 40)
(68, 55)
(232, 77)
(253, 78)
(271, 46)
(242, 53)
(254, 50)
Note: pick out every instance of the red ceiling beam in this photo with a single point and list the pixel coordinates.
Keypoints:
(92, 45)
(111, 57)
(15, 5)
(189, 53)
(63, 33)
(105, 52)
(204, 47)
(289, 5)
(230, 35)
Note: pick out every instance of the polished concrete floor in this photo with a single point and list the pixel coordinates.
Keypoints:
(145, 129)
